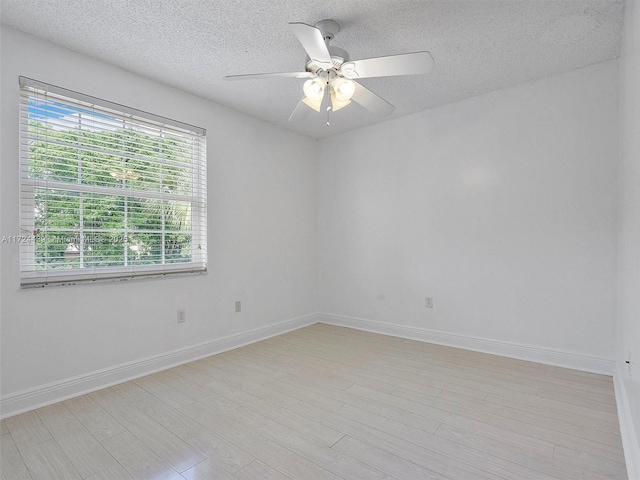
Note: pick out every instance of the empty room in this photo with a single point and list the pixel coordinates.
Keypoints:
(320, 240)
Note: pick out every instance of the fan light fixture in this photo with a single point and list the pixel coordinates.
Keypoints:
(314, 89)
(337, 104)
(314, 93)
(343, 89)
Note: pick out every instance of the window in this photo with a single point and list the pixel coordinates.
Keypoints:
(107, 192)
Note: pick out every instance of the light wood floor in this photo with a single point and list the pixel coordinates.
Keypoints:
(329, 402)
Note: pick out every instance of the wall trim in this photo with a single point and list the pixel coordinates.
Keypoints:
(40, 396)
(36, 397)
(546, 356)
(627, 429)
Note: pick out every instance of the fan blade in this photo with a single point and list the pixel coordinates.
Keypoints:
(252, 76)
(313, 43)
(404, 64)
(371, 101)
(300, 112)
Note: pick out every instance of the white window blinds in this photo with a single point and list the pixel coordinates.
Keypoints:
(107, 192)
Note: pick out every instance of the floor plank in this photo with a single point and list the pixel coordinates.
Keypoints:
(268, 451)
(86, 454)
(396, 446)
(490, 463)
(207, 470)
(47, 461)
(161, 441)
(428, 418)
(223, 453)
(258, 470)
(12, 466)
(113, 473)
(94, 418)
(333, 461)
(387, 462)
(541, 463)
(138, 460)
(27, 430)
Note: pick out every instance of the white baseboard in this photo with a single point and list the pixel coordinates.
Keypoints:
(523, 352)
(42, 395)
(25, 400)
(630, 440)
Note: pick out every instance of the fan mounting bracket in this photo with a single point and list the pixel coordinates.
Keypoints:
(328, 29)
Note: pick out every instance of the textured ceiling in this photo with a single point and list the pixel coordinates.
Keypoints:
(478, 45)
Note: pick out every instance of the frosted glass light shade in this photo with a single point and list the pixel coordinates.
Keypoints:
(315, 104)
(344, 89)
(337, 104)
(314, 89)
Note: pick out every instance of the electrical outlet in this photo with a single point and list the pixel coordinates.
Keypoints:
(182, 317)
(428, 302)
(238, 306)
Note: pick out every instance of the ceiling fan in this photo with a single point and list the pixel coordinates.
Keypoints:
(331, 76)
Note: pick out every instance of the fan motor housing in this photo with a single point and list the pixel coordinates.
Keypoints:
(338, 57)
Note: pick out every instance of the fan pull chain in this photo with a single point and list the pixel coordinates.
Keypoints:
(327, 95)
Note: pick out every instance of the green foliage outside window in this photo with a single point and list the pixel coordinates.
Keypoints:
(116, 225)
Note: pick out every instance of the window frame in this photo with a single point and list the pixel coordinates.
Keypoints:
(30, 276)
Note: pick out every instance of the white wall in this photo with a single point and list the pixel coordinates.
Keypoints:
(502, 207)
(261, 219)
(629, 244)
